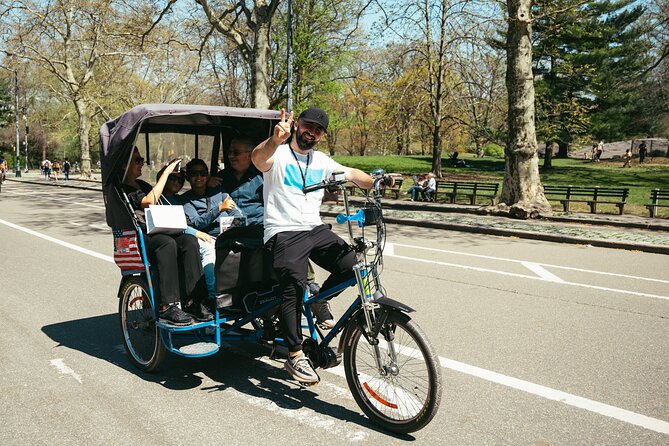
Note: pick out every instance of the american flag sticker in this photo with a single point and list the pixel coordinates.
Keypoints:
(126, 251)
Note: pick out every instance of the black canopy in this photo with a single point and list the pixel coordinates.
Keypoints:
(118, 136)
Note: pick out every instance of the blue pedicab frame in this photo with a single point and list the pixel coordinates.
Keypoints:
(379, 342)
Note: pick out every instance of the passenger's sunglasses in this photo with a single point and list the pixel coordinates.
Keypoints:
(138, 160)
(198, 173)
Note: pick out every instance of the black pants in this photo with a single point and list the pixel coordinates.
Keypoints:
(177, 258)
(290, 253)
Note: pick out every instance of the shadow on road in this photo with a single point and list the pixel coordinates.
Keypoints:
(235, 366)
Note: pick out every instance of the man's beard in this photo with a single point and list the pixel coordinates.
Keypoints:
(302, 143)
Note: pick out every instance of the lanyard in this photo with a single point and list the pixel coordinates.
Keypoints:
(306, 169)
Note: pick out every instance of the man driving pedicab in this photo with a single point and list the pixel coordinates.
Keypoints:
(293, 230)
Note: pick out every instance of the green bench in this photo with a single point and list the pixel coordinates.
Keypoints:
(395, 191)
(657, 196)
(593, 196)
(470, 189)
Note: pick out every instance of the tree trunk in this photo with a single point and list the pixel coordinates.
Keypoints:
(548, 156)
(522, 189)
(563, 150)
(259, 83)
(83, 132)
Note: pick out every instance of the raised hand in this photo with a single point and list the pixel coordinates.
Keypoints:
(282, 129)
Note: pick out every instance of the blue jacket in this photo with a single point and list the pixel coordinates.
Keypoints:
(247, 193)
(202, 212)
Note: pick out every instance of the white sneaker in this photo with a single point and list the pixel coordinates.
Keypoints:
(301, 369)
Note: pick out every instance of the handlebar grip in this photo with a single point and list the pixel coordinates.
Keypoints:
(314, 187)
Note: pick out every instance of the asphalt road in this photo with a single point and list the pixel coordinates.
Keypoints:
(540, 344)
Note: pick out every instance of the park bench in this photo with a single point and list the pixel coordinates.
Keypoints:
(590, 195)
(656, 196)
(469, 189)
(395, 191)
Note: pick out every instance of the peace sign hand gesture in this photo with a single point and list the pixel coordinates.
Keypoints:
(282, 129)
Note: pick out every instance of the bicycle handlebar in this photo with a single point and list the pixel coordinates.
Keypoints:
(340, 180)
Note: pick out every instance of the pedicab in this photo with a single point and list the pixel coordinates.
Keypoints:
(391, 368)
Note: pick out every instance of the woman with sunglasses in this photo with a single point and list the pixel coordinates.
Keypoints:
(176, 256)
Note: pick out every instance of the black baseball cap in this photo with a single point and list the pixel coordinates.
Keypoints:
(317, 116)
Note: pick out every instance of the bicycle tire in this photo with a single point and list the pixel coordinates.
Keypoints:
(141, 335)
(403, 402)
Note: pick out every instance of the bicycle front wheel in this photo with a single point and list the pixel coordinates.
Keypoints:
(402, 395)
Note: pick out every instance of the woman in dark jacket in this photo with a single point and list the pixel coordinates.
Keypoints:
(177, 256)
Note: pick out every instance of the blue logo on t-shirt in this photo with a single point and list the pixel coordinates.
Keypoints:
(293, 176)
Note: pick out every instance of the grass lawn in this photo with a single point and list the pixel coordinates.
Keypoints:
(640, 179)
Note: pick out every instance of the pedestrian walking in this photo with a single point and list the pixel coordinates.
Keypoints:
(66, 169)
(643, 150)
(627, 158)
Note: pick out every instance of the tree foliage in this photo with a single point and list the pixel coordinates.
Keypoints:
(589, 61)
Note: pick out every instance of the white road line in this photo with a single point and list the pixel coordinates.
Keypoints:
(59, 242)
(59, 364)
(526, 386)
(541, 272)
(502, 259)
(504, 273)
(617, 413)
(61, 199)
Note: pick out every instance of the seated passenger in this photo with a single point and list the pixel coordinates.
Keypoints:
(175, 181)
(203, 207)
(175, 256)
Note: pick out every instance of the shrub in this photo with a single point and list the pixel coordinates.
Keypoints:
(494, 150)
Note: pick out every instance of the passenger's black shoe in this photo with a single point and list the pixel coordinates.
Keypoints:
(175, 316)
(199, 312)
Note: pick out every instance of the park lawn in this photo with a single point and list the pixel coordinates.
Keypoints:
(640, 179)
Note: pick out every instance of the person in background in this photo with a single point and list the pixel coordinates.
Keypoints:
(56, 169)
(627, 157)
(66, 169)
(419, 184)
(600, 150)
(643, 151)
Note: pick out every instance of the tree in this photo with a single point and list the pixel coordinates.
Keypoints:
(75, 41)
(522, 188)
(6, 102)
(248, 26)
(589, 61)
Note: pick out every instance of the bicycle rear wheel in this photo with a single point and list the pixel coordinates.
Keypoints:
(141, 336)
(405, 394)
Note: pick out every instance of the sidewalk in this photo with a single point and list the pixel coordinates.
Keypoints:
(604, 230)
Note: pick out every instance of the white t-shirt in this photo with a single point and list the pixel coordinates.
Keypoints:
(287, 208)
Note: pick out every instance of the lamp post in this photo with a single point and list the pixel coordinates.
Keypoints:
(25, 135)
(289, 57)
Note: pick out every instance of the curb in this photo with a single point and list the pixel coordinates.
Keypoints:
(643, 247)
(655, 249)
(54, 184)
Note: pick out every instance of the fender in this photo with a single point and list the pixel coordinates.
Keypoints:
(392, 303)
(358, 318)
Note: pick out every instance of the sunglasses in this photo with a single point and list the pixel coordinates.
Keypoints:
(239, 153)
(198, 173)
(139, 160)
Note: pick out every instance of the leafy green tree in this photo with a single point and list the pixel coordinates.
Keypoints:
(6, 102)
(589, 59)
